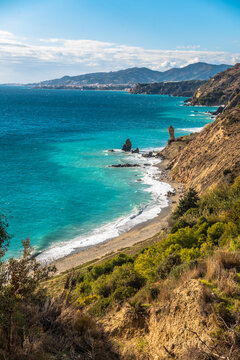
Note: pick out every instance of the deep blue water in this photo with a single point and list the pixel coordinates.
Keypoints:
(55, 183)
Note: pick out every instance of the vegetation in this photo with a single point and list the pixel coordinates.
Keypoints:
(203, 244)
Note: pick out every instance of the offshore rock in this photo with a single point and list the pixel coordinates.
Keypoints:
(171, 134)
(127, 146)
(124, 165)
(136, 151)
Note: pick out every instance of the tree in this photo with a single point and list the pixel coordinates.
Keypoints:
(18, 290)
(189, 201)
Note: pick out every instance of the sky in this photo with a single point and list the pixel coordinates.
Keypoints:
(46, 39)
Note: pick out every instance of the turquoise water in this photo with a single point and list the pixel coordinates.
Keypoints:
(56, 186)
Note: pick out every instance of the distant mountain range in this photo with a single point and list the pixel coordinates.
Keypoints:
(132, 76)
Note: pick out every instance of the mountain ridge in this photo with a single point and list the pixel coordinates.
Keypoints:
(131, 76)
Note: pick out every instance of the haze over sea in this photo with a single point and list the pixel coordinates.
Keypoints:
(56, 186)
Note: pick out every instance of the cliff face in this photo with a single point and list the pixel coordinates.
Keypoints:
(219, 89)
(210, 157)
(164, 330)
(180, 88)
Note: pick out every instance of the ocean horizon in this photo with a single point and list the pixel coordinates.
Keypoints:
(57, 184)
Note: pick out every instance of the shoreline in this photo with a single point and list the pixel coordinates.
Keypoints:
(137, 234)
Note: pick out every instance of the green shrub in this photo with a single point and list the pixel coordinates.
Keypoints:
(100, 307)
(234, 214)
(215, 232)
(190, 254)
(126, 275)
(108, 266)
(179, 225)
(186, 237)
(102, 286)
(166, 266)
(123, 293)
(177, 271)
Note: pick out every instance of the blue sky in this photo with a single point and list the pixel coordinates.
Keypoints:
(42, 39)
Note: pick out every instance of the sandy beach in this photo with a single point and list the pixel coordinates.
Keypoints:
(137, 234)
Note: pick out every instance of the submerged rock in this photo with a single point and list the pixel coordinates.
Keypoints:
(149, 155)
(124, 165)
(127, 146)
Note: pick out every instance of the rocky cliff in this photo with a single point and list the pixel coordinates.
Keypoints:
(179, 88)
(212, 156)
(220, 89)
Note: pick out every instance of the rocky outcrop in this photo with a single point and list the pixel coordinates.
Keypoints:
(219, 89)
(136, 151)
(213, 155)
(209, 157)
(127, 146)
(178, 88)
(167, 329)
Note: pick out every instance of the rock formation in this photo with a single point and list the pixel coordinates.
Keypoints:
(127, 146)
(177, 88)
(210, 157)
(171, 134)
(136, 151)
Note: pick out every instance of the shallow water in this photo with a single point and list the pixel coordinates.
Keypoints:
(56, 184)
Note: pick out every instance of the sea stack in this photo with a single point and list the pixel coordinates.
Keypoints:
(171, 134)
(127, 146)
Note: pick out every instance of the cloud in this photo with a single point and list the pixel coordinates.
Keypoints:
(93, 55)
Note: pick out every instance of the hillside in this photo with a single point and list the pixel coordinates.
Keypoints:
(178, 88)
(212, 156)
(219, 89)
(197, 71)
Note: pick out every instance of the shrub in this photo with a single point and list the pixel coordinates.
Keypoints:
(108, 266)
(178, 271)
(123, 293)
(167, 265)
(102, 286)
(99, 307)
(234, 214)
(179, 225)
(125, 275)
(189, 254)
(215, 232)
(186, 237)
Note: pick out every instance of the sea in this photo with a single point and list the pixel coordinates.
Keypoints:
(57, 186)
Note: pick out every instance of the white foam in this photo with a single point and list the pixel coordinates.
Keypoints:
(191, 130)
(113, 229)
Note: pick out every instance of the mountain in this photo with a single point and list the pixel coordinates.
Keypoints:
(219, 89)
(177, 88)
(197, 71)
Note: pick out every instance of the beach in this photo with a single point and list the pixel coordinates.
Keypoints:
(137, 234)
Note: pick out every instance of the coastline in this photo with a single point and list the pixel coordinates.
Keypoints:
(137, 234)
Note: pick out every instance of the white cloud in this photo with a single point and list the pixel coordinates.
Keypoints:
(92, 55)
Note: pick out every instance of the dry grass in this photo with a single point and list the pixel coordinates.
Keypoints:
(222, 270)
